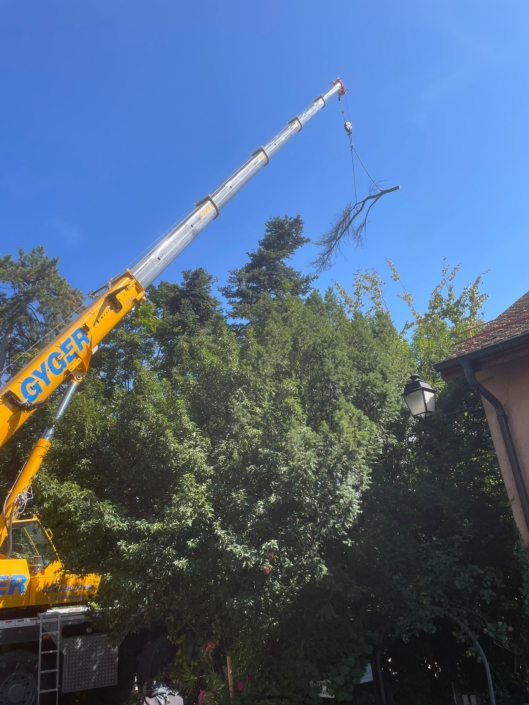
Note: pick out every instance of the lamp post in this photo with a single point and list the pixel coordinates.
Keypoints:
(419, 397)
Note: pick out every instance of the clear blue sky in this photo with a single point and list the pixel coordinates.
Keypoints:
(117, 115)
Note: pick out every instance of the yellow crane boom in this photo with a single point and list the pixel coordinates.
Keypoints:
(33, 578)
(67, 357)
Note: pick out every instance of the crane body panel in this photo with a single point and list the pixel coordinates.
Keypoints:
(34, 575)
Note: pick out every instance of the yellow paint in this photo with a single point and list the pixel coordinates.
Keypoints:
(14, 578)
(56, 587)
(25, 585)
(206, 210)
(23, 481)
(96, 321)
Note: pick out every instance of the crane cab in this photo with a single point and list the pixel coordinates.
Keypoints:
(33, 575)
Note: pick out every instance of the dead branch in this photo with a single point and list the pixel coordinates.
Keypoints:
(347, 227)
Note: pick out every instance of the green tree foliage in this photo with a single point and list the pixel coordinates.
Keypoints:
(188, 306)
(266, 271)
(448, 318)
(34, 299)
(220, 487)
(264, 492)
(436, 533)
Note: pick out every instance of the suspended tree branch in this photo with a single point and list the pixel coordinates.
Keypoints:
(350, 224)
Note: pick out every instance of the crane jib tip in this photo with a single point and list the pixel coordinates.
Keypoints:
(343, 89)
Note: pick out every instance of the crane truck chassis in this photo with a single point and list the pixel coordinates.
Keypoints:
(59, 651)
(46, 649)
(48, 643)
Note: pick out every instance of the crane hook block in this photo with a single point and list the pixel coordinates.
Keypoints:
(348, 126)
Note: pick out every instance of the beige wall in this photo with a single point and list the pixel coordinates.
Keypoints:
(509, 382)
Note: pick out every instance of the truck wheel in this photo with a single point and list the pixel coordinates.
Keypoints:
(18, 678)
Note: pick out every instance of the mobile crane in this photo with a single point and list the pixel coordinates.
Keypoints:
(44, 648)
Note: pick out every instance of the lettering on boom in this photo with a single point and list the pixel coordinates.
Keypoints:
(33, 385)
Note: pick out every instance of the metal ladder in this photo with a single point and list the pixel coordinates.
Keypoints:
(50, 650)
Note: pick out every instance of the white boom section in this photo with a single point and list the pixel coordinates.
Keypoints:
(209, 207)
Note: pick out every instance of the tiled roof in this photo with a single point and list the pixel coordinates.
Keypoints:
(512, 322)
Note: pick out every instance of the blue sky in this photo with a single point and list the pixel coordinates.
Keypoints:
(116, 116)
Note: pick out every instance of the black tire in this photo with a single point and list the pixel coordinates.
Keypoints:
(154, 658)
(19, 678)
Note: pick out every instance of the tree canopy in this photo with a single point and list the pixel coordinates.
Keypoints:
(266, 270)
(263, 491)
(34, 299)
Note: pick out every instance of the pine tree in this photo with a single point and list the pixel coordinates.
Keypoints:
(266, 271)
(188, 305)
(35, 299)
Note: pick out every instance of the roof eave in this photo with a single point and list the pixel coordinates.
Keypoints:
(488, 356)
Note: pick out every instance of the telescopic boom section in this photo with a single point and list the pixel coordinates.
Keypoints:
(67, 357)
(209, 207)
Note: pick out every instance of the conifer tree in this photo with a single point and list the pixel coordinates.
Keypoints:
(267, 271)
(189, 305)
(33, 301)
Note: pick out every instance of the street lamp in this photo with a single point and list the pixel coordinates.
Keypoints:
(419, 397)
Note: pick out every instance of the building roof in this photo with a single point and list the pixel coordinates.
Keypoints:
(508, 333)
